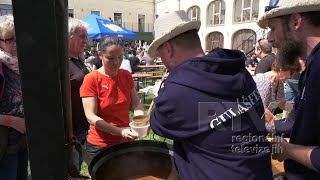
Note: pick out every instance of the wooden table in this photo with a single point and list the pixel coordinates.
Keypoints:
(251, 68)
(141, 76)
(251, 71)
(151, 66)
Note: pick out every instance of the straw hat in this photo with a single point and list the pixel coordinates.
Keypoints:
(286, 7)
(169, 26)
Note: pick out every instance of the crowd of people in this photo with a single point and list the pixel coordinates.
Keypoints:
(135, 54)
(209, 104)
(94, 106)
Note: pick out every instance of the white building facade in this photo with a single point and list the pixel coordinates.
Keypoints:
(224, 23)
(135, 15)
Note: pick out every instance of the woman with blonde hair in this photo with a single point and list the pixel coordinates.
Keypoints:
(13, 150)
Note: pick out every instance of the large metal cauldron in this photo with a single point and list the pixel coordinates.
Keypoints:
(134, 159)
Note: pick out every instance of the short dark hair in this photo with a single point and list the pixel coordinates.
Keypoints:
(108, 41)
(312, 17)
(265, 46)
(187, 40)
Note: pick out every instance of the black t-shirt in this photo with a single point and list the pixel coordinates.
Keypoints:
(265, 64)
(77, 72)
(134, 62)
(97, 62)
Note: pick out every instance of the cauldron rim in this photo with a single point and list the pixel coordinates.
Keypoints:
(105, 153)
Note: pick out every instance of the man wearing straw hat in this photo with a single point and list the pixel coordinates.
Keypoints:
(295, 31)
(209, 106)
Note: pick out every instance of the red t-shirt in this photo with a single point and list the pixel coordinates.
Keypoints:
(114, 99)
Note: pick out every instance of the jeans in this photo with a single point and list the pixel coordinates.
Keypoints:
(92, 149)
(76, 156)
(291, 89)
(14, 166)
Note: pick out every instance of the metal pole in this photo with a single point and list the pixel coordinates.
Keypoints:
(41, 30)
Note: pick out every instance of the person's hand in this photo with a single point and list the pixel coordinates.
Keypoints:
(269, 116)
(18, 124)
(280, 149)
(127, 133)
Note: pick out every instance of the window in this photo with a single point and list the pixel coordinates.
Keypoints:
(216, 12)
(5, 9)
(118, 18)
(141, 22)
(214, 40)
(246, 10)
(96, 13)
(244, 39)
(194, 13)
(70, 13)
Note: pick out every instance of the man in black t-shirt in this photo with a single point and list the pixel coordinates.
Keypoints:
(264, 52)
(78, 38)
(134, 62)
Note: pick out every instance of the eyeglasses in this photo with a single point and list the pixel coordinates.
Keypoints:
(9, 40)
(272, 4)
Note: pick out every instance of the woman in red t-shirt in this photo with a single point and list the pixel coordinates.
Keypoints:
(107, 96)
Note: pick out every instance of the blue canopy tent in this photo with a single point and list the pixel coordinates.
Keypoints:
(99, 27)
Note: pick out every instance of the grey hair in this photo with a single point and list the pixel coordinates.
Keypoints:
(74, 24)
(108, 41)
(6, 25)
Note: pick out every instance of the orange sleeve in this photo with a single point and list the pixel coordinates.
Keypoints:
(89, 86)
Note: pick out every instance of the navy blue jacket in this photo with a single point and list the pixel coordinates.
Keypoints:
(211, 108)
(306, 129)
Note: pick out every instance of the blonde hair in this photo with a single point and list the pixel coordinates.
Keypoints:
(6, 25)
